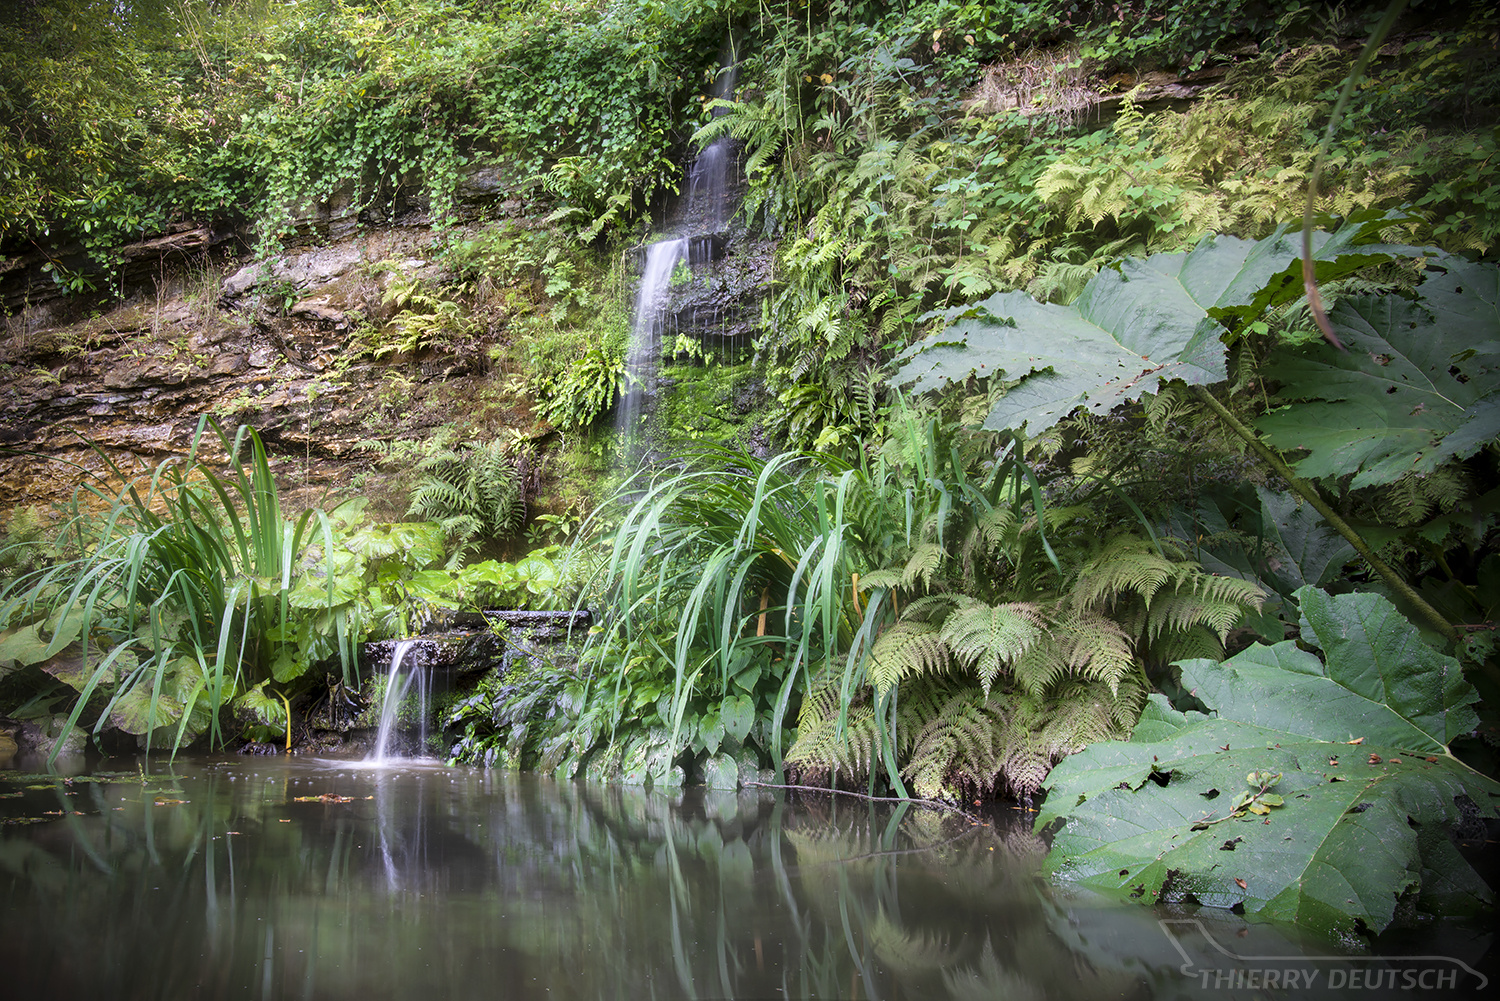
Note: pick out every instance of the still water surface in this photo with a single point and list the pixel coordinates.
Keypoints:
(277, 878)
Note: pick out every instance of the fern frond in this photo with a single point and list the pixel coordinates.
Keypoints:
(1218, 603)
(959, 741)
(1034, 733)
(819, 747)
(1079, 643)
(924, 561)
(1127, 564)
(993, 530)
(1191, 644)
(988, 638)
(434, 498)
(908, 647)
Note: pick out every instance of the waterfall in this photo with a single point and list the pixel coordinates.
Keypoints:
(396, 690)
(645, 339)
(699, 233)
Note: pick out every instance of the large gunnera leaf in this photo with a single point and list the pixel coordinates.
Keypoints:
(1133, 328)
(1419, 383)
(1317, 790)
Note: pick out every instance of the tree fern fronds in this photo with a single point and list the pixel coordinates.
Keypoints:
(1034, 733)
(820, 748)
(924, 561)
(1416, 497)
(1168, 409)
(885, 579)
(989, 638)
(994, 530)
(906, 648)
(1061, 282)
(922, 701)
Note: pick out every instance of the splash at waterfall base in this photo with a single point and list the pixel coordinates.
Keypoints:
(400, 711)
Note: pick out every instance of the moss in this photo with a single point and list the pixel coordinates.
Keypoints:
(716, 403)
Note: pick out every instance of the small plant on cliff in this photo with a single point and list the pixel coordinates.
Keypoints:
(477, 490)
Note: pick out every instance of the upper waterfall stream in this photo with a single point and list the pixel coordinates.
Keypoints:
(698, 227)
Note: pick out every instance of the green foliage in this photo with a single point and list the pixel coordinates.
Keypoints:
(119, 118)
(476, 490)
(1056, 628)
(892, 205)
(426, 319)
(911, 602)
(589, 388)
(177, 599)
(1415, 386)
(505, 721)
(1131, 331)
(1174, 33)
(98, 119)
(1329, 780)
(192, 590)
(24, 544)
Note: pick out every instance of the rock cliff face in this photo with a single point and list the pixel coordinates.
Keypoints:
(194, 325)
(297, 345)
(268, 345)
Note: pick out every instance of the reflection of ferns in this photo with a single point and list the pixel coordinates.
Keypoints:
(990, 980)
(477, 489)
(907, 952)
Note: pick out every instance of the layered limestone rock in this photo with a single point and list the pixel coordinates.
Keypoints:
(194, 325)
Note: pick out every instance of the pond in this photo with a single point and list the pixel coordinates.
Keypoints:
(264, 878)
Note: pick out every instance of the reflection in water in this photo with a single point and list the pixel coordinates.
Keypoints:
(275, 879)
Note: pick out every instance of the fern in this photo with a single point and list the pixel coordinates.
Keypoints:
(823, 746)
(1081, 643)
(1039, 733)
(906, 648)
(987, 638)
(473, 490)
(961, 739)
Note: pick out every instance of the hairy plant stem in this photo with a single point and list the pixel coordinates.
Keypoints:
(1309, 493)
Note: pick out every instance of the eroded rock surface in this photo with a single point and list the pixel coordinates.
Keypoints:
(289, 345)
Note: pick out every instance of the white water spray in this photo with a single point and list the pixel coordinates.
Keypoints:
(396, 690)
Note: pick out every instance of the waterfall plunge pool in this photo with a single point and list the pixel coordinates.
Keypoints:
(301, 878)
